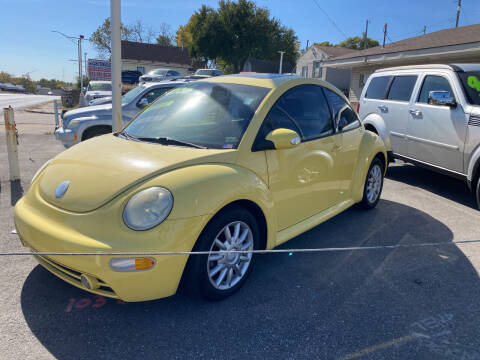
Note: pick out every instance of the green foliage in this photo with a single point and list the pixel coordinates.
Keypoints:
(324, 43)
(356, 43)
(164, 40)
(86, 80)
(29, 84)
(235, 32)
(101, 38)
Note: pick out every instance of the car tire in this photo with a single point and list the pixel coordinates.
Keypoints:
(373, 184)
(96, 131)
(209, 275)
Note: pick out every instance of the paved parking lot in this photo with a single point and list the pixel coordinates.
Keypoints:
(20, 101)
(405, 303)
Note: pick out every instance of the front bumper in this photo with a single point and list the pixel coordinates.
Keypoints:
(66, 136)
(45, 228)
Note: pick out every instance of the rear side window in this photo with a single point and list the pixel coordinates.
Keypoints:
(378, 87)
(402, 87)
(343, 115)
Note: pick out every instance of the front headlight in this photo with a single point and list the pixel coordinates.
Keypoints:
(147, 208)
(73, 124)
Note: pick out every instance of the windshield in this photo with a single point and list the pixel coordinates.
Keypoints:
(99, 87)
(212, 115)
(471, 83)
(132, 94)
(158, 72)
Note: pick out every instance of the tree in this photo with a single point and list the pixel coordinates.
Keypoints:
(356, 43)
(165, 36)
(235, 32)
(141, 33)
(324, 43)
(101, 39)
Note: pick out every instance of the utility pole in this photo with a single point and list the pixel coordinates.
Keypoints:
(424, 29)
(281, 61)
(384, 34)
(115, 17)
(80, 66)
(365, 34)
(306, 48)
(459, 7)
(85, 61)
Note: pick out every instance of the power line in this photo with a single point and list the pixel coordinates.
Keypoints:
(331, 20)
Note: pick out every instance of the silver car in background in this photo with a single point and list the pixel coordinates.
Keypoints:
(87, 122)
(428, 115)
(160, 75)
(97, 90)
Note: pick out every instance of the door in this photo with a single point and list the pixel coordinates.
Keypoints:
(437, 132)
(303, 180)
(349, 134)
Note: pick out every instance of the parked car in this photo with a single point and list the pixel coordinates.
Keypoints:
(428, 115)
(98, 89)
(205, 73)
(160, 75)
(226, 165)
(87, 122)
(131, 76)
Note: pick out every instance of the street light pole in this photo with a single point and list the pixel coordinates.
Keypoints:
(80, 66)
(115, 17)
(281, 61)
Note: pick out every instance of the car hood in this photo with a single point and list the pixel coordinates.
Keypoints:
(105, 109)
(102, 168)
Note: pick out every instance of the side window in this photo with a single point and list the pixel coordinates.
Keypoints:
(378, 87)
(433, 83)
(402, 87)
(345, 118)
(151, 96)
(303, 109)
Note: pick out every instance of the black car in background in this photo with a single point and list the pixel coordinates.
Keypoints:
(130, 76)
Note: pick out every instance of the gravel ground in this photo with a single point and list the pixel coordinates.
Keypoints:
(405, 303)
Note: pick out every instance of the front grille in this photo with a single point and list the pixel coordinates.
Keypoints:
(73, 276)
(474, 120)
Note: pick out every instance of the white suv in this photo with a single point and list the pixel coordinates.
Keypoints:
(428, 115)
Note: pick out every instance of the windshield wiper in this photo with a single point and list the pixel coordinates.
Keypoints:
(127, 135)
(163, 140)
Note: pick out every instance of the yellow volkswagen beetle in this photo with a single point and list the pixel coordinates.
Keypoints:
(223, 165)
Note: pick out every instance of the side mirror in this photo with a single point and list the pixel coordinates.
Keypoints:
(441, 98)
(142, 103)
(283, 138)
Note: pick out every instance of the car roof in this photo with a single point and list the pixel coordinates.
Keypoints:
(454, 67)
(255, 79)
(163, 83)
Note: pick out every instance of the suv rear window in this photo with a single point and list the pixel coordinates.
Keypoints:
(402, 87)
(378, 87)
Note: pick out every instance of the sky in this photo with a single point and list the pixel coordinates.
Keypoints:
(28, 45)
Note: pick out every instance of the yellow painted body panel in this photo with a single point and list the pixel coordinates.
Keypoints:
(296, 189)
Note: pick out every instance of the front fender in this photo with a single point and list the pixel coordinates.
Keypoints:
(205, 189)
(378, 123)
(371, 146)
(473, 164)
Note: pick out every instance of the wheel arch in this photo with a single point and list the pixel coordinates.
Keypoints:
(375, 123)
(92, 127)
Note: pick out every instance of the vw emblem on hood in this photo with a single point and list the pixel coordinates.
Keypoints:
(61, 189)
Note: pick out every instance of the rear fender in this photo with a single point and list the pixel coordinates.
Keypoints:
(378, 123)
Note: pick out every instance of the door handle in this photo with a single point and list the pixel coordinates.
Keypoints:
(415, 112)
(383, 108)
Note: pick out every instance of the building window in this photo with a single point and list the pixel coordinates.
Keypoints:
(141, 69)
(317, 70)
(361, 81)
(305, 71)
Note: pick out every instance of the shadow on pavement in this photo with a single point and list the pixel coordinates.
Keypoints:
(407, 303)
(434, 182)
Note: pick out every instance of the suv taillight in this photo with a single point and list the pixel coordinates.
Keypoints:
(358, 108)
